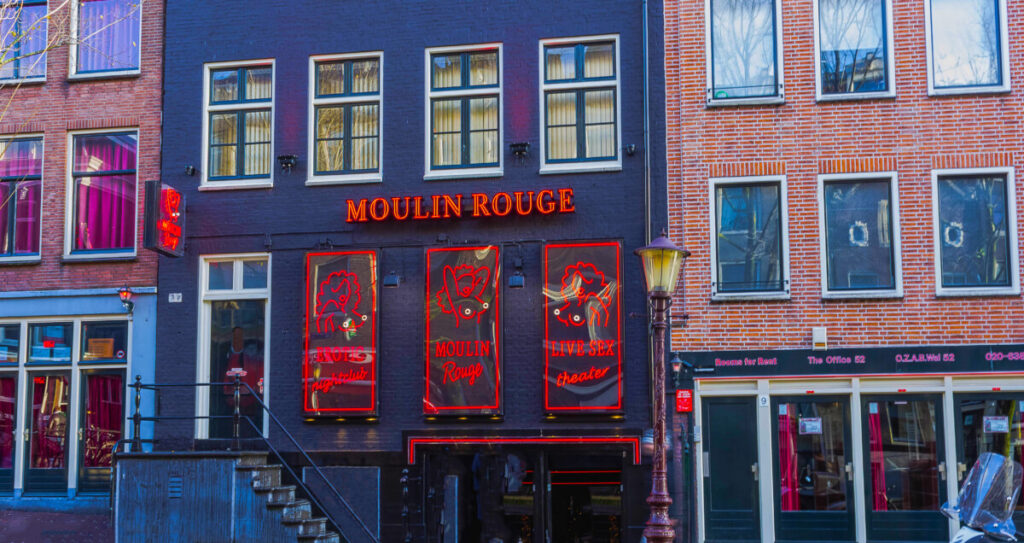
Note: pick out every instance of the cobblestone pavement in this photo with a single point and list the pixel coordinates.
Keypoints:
(54, 527)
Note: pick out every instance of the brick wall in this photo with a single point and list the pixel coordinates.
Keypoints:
(911, 134)
(55, 108)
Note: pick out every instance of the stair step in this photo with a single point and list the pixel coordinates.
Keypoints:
(309, 527)
(328, 537)
(264, 477)
(298, 510)
(252, 459)
(278, 495)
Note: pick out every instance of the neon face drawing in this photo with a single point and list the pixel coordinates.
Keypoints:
(462, 293)
(337, 303)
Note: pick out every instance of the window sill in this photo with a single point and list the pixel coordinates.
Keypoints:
(760, 101)
(22, 81)
(20, 260)
(470, 173)
(236, 185)
(977, 291)
(121, 74)
(352, 179)
(863, 295)
(580, 167)
(853, 96)
(98, 257)
(1002, 89)
(750, 297)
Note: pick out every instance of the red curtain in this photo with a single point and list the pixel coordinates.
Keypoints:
(877, 462)
(49, 421)
(105, 203)
(103, 419)
(789, 491)
(7, 414)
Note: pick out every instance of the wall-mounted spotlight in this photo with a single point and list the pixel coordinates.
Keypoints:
(630, 149)
(125, 294)
(520, 149)
(287, 162)
(391, 280)
(517, 279)
(190, 170)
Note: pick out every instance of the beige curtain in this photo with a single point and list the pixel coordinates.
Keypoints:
(257, 147)
(561, 125)
(447, 133)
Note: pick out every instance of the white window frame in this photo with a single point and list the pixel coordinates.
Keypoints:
(75, 369)
(234, 184)
(312, 178)
(70, 200)
(710, 100)
(73, 72)
(1013, 289)
(890, 61)
(206, 295)
(894, 199)
(783, 294)
(611, 165)
(42, 175)
(1004, 54)
(46, 40)
(429, 173)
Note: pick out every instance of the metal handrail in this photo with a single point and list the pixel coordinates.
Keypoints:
(237, 417)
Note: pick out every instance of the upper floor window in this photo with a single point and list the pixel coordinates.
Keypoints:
(860, 230)
(749, 241)
(103, 192)
(580, 103)
(345, 118)
(240, 124)
(975, 231)
(853, 49)
(967, 46)
(23, 40)
(464, 109)
(745, 51)
(108, 36)
(21, 168)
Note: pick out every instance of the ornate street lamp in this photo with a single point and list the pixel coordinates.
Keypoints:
(662, 261)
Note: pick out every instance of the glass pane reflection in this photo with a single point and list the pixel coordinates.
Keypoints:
(903, 455)
(812, 456)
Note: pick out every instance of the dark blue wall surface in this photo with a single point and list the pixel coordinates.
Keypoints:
(293, 218)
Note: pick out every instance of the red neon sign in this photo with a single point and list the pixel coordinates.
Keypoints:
(684, 401)
(455, 206)
(582, 328)
(165, 219)
(339, 374)
(462, 370)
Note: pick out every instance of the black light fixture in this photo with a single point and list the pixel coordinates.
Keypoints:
(125, 294)
(520, 149)
(287, 162)
(517, 279)
(391, 280)
(190, 170)
(630, 149)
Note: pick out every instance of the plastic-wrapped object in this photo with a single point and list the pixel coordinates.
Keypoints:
(988, 495)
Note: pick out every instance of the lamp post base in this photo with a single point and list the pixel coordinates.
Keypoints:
(659, 527)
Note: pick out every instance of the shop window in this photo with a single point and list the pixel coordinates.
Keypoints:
(976, 232)
(903, 455)
(745, 51)
(21, 168)
(103, 188)
(580, 103)
(8, 412)
(50, 343)
(240, 124)
(23, 38)
(108, 36)
(345, 119)
(102, 424)
(464, 105)
(861, 236)
(854, 49)
(10, 343)
(750, 257)
(967, 46)
(48, 440)
(812, 456)
(104, 341)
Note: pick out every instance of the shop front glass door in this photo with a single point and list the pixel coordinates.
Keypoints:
(101, 424)
(813, 498)
(905, 472)
(8, 410)
(237, 331)
(990, 423)
(586, 499)
(47, 456)
(731, 504)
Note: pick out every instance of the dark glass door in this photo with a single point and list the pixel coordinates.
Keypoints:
(102, 421)
(47, 458)
(585, 500)
(814, 482)
(8, 412)
(905, 473)
(990, 423)
(237, 331)
(731, 504)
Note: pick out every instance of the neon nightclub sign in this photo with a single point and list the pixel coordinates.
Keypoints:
(165, 220)
(451, 206)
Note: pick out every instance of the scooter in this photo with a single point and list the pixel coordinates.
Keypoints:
(986, 502)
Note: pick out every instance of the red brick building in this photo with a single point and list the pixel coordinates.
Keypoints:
(843, 174)
(79, 133)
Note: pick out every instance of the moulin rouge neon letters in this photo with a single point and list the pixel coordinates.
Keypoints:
(450, 206)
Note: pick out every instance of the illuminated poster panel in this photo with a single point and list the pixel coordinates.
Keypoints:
(340, 371)
(582, 328)
(463, 375)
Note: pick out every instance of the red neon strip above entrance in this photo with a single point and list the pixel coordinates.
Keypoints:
(634, 442)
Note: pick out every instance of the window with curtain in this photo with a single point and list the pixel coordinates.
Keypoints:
(240, 123)
(108, 35)
(23, 38)
(103, 420)
(974, 234)
(21, 167)
(580, 102)
(966, 43)
(859, 235)
(748, 234)
(853, 46)
(346, 108)
(8, 412)
(103, 188)
(465, 100)
(744, 35)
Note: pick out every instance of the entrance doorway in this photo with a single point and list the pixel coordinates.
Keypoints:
(731, 503)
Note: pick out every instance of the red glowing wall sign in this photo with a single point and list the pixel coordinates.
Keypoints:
(684, 401)
(463, 376)
(456, 206)
(582, 327)
(339, 374)
(164, 230)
